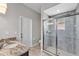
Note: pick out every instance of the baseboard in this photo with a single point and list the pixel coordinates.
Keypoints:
(35, 44)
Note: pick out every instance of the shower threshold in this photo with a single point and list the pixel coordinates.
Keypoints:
(59, 52)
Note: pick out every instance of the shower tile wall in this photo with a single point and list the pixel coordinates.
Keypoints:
(77, 32)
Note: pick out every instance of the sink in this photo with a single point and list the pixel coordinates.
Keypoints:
(11, 45)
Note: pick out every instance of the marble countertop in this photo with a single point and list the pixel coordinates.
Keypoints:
(15, 51)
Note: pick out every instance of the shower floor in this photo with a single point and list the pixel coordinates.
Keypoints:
(60, 52)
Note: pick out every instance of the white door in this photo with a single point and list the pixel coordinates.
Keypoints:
(26, 29)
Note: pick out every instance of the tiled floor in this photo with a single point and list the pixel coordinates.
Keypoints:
(36, 51)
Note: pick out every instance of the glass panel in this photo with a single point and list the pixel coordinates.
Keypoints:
(66, 35)
(77, 35)
(50, 36)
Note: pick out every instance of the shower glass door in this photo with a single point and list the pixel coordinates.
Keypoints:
(61, 36)
(50, 36)
(66, 36)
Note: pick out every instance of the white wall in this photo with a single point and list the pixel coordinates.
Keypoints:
(9, 21)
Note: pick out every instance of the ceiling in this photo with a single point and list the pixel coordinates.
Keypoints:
(61, 8)
(37, 6)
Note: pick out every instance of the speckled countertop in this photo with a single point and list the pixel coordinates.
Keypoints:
(15, 51)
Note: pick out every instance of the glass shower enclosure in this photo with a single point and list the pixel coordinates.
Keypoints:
(61, 34)
(50, 36)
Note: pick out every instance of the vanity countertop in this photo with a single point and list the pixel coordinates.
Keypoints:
(15, 51)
